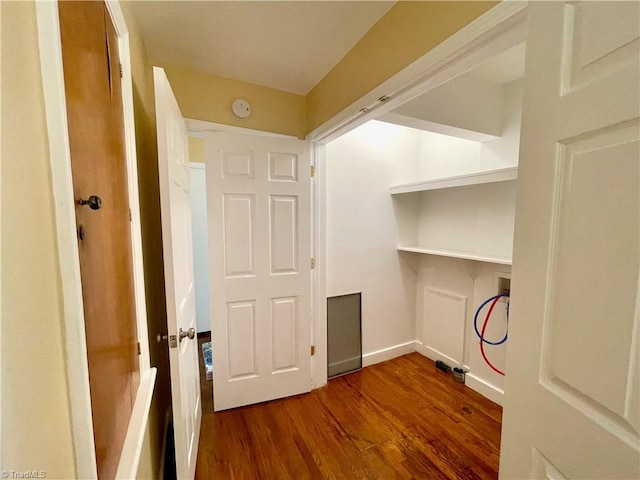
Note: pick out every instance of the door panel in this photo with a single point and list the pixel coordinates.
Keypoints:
(173, 167)
(98, 163)
(572, 390)
(259, 231)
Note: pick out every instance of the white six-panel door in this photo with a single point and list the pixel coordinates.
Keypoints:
(572, 393)
(173, 167)
(258, 194)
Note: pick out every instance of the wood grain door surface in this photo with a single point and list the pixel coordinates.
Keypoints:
(96, 137)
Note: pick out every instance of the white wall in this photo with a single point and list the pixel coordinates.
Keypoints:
(503, 152)
(478, 218)
(467, 102)
(198, 195)
(364, 226)
(476, 281)
(475, 219)
(362, 233)
(445, 156)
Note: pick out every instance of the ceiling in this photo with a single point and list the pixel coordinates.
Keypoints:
(287, 45)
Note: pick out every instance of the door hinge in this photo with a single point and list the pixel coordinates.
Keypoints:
(139, 351)
(120, 67)
(313, 350)
(313, 171)
(313, 263)
(130, 218)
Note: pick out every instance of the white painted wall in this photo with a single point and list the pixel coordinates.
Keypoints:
(476, 281)
(445, 156)
(198, 194)
(364, 226)
(477, 219)
(362, 232)
(503, 152)
(467, 102)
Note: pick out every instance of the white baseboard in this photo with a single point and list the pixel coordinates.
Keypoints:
(473, 382)
(388, 353)
(435, 355)
(485, 389)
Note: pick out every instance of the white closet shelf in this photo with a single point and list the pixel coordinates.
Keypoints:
(443, 252)
(487, 176)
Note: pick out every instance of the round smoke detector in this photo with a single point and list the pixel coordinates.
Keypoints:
(241, 108)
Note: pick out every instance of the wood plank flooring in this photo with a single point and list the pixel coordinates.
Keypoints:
(400, 419)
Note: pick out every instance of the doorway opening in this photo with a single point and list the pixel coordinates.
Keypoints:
(420, 209)
(200, 239)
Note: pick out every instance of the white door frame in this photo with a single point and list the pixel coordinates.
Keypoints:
(500, 28)
(64, 209)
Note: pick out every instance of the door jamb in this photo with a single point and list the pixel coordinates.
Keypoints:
(64, 208)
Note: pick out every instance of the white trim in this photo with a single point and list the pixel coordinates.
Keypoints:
(388, 353)
(505, 174)
(197, 128)
(443, 252)
(132, 448)
(484, 388)
(60, 163)
(436, 355)
(197, 165)
(502, 26)
(319, 366)
(472, 381)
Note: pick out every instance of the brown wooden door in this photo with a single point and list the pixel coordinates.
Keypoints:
(96, 137)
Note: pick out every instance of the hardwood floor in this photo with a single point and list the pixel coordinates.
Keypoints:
(401, 419)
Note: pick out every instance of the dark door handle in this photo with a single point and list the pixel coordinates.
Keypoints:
(94, 202)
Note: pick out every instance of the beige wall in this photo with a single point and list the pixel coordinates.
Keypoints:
(196, 150)
(203, 96)
(404, 34)
(36, 423)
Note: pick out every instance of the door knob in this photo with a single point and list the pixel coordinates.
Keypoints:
(191, 333)
(94, 202)
(160, 337)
